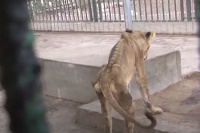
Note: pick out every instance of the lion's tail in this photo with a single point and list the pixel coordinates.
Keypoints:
(109, 96)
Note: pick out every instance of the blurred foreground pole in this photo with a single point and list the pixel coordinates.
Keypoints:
(20, 70)
(197, 12)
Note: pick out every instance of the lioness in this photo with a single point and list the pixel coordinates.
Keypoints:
(111, 83)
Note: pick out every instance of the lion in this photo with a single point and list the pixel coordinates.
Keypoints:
(112, 81)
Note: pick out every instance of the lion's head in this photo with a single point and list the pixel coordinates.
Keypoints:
(143, 39)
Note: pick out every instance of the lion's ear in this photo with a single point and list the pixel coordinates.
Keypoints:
(150, 34)
(129, 30)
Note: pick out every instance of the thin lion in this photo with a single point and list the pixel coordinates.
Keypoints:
(111, 82)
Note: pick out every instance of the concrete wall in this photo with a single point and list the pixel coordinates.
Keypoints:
(161, 71)
(72, 81)
(68, 81)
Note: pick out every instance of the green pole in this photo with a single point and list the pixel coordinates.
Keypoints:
(20, 70)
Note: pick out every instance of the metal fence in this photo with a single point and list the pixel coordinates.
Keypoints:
(164, 16)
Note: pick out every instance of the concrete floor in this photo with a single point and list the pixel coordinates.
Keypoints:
(60, 115)
(72, 47)
(93, 49)
(180, 102)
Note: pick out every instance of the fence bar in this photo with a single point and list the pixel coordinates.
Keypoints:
(157, 9)
(163, 10)
(109, 9)
(76, 9)
(139, 2)
(94, 7)
(50, 15)
(100, 10)
(46, 16)
(80, 6)
(114, 9)
(86, 13)
(90, 10)
(57, 10)
(68, 10)
(31, 13)
(54, 17)
(189, 10)
(65, 15)
(175, 8)
(151, 10)
(128, 16)
(119, 10)
(134, 6)
(72, 7)
(169, 9)
(145, 7)
(182, 10)
(104, 6)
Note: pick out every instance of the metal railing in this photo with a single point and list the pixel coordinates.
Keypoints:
(174, 16)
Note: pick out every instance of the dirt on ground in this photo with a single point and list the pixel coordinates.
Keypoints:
(181, 104)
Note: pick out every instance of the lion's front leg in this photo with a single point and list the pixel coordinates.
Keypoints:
(142, 84)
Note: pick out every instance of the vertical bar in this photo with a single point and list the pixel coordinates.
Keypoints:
(50, 16)
(37, 15)
(197, 10)
(134, 6)
(104, 6)
(68, 14)
(127, 12)
(21, 70)
(72, 7)
(119, 10)
(44, 2)
(81, 9)
(68, 8)
(114, 10)
(57, 14)
(169, 9)
(31, 13)
(100, 10)
(54, 16)
(197, 3)
(86, 17)
(90, 10)
(145, 7)
(109, 9)
(86, 14)
(34, 14)
(95, 14)
(43, 21)
(151, 10)
(65, 9)
(189, 10)
(60, 10)
(65, 15)
(175, 8)
(157, 9)
(182, 10)
(163, 10)
(139, 2)
(76, 9)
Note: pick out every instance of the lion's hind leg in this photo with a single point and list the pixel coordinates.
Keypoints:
(126, 102)
(106, 111)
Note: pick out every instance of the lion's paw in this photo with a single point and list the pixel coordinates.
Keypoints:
(154, 110)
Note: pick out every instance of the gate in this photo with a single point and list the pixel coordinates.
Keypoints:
(173, 16)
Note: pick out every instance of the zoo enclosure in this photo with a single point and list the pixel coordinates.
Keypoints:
(164, 16)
